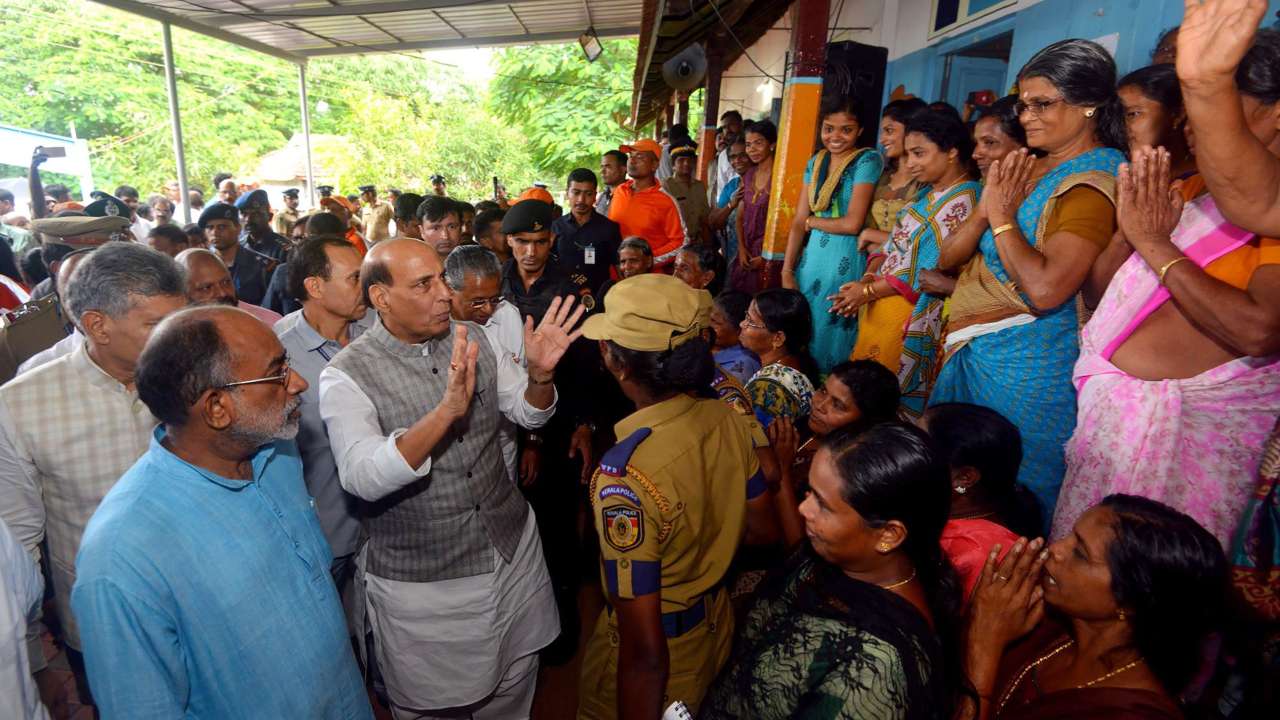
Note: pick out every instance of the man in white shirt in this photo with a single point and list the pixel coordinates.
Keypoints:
(723, 172)
(475, 276)
(21, 589)
(70, 428)
(456, 588)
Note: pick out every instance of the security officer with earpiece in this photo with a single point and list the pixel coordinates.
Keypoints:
(670, 501)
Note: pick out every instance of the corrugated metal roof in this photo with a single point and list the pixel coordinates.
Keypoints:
(297, 29)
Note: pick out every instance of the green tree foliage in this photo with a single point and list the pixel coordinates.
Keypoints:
(569, 110)
(398, 118)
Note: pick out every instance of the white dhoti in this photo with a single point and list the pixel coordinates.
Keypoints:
(467, 643)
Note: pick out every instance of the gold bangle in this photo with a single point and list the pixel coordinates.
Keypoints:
(1002, 229)
(867, 292)
(1164, 269)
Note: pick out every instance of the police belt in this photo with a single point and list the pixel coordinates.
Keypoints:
(679, 622)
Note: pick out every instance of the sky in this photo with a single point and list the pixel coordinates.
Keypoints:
(473, 62)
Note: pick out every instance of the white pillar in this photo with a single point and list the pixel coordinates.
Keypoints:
(171, 80)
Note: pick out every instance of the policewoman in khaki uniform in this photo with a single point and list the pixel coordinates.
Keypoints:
(670, 502)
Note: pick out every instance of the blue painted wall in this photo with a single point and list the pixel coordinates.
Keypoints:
(1139, 24)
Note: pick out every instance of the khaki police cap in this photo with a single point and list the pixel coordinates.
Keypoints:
(72, 226)
(650, 313)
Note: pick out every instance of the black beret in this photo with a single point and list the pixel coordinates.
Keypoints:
(218, 211)
(528, 216)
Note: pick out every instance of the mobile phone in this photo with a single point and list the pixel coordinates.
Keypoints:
(53, 152)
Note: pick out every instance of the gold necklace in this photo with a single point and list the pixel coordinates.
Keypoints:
(1035, 664)
(900, 583)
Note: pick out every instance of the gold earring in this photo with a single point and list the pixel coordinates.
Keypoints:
(1088, 113)
(882, 547)
(1121, 615)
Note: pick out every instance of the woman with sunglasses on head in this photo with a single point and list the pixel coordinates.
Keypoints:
(1012, 332)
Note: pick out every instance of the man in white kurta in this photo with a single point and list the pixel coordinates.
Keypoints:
(456, 589)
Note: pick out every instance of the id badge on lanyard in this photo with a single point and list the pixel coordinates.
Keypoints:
(589, 255)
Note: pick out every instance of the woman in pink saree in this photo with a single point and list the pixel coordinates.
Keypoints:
(1178, 378)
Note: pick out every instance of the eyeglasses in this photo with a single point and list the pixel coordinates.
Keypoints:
(481, 303)
(746, 322)
(1036, 107)
(282, 379)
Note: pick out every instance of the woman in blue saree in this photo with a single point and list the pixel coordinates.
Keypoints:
(900, 325)
(838, 184)
(1012, 335)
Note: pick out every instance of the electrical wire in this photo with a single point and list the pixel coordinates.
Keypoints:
(729, 29)
(835, 21)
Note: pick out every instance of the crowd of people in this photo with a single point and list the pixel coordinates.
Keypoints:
(990, 432)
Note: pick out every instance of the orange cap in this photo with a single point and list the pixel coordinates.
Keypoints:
(337, 200)
(645, 145)
(536, 193)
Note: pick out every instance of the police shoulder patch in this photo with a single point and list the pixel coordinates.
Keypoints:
(623, 527)
(620, 491)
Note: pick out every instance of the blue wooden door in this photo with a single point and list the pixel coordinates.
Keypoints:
(971, 74)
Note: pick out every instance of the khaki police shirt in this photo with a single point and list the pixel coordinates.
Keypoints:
(283, 221)
(376, 219)
(669, 500)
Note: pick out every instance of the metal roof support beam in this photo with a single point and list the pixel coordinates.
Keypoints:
(306, 133)
(175, 121)
(138, 8)
(367, 9)
(475, 41)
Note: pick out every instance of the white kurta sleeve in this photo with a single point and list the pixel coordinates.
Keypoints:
(370, 465)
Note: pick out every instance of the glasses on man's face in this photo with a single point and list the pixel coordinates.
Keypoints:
(1036, 107)
(282, 379)
(482, 303)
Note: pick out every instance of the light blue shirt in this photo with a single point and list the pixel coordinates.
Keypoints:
(309, 354)
(730, 233)
(200, 596)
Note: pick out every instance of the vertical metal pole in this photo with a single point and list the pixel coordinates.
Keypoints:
(306, 132)
(171, 81)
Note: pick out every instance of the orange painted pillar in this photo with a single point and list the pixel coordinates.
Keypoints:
(798, 125)
(710, 108)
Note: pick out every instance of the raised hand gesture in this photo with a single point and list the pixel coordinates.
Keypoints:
(1008, 181)
(784, 440)
(462, 376)
(1008, 601)
(544, 346)
(1148, 207)
(1214, 36)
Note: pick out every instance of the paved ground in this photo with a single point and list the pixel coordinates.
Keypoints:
(557, 697)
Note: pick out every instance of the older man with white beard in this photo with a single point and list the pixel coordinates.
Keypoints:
(204, 585)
